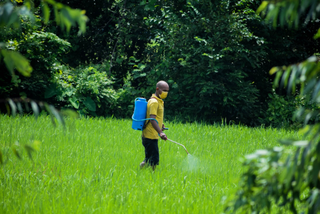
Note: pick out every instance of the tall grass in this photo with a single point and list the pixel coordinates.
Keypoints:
(92, 166)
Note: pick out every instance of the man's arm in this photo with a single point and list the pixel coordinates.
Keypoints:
(157, 128)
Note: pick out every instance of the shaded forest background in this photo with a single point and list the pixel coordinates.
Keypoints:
(215, 55)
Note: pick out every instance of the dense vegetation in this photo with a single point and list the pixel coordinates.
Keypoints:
(215, 55)
(273, 177)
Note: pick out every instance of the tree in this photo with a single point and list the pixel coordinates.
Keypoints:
(276, 175)
(26, 46)
(215, 55)
(12, 16)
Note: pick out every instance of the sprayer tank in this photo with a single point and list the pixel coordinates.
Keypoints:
(140, 111)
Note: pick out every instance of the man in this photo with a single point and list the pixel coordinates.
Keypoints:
(152, 130)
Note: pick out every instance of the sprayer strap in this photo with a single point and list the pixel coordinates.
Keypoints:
(145, 124)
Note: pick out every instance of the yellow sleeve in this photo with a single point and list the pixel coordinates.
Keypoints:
(153, 107)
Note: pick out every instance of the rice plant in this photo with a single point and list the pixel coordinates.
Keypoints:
(92, 166)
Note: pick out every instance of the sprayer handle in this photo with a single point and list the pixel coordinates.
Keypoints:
(165, 128)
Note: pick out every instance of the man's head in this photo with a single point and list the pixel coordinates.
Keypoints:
(162, 89)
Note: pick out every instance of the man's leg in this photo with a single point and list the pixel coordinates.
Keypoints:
(144, 162)
(151, 152)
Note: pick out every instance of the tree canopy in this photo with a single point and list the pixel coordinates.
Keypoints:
(215, 55)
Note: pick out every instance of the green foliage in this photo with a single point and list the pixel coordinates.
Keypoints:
(281, 110)
(291, 13)
(158, 41)
(23, 106)
(85, 89)
(14, 60)
(18, 107)
(11, 16)
(289, 179)
(65, 16)
(215, 54)
(43, 51)
(35, 44)
(207, 67)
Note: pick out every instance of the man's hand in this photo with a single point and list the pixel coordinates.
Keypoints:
(163, 136)
(157, 128)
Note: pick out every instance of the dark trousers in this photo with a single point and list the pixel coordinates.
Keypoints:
(151, 151)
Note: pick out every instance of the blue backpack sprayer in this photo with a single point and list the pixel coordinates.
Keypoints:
(139, 114)
(139, 117)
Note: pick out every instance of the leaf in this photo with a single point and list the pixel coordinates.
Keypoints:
(66, 20)
(300, 143)
(51, 114)
(13, 107)
(292, 80)
(56, 114)
(313, 196)
(90, 104)
(312, 59)
(20, 108)
(35, 109)
(74, 101)
(14, 60)
(262, 152)
(317, 35)
(67, 17)
(251, 156)
(277, 79)
(119, 60)
(310, 86)
(273, 70)
(315, 94)
(46, 12)
(285, 77)
(50, 91)
(9, 15)
(277, 149)
(69, 113)
(262, 7)
(286, 141)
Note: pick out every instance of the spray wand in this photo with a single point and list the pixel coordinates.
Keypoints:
(178, 144)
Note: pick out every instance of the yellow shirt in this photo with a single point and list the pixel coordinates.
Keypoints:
(155, 107)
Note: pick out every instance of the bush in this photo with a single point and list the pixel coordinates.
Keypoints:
(43, 50)
(88, 90)
(281, 109)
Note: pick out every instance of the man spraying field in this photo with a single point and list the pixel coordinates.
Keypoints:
(152, 130)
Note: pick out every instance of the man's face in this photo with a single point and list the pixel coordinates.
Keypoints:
(164, 87)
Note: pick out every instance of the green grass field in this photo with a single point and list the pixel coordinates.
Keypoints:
(92, 166)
